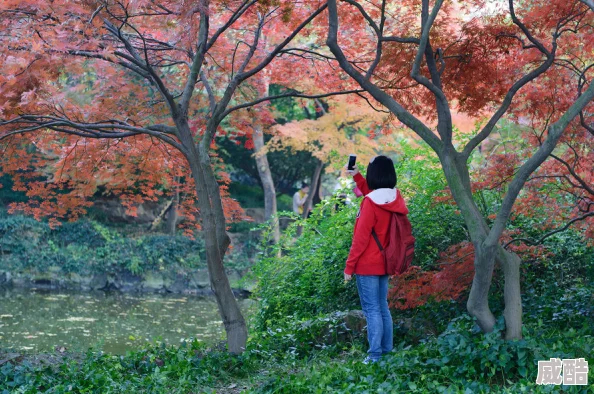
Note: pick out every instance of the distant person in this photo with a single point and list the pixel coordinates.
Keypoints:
(299, 199)
(365, 258)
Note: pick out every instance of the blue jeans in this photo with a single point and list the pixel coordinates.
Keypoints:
(373, 292)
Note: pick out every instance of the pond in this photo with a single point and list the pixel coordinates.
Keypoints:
(39, 321)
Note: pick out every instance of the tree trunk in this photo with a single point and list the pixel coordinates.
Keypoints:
(172, 216)
(216, 238)
(510, 262)
(315, 179)
(159, 217)
(267, 181)
(318, 196)
(484, 258)
(171, 223)
(478, 299)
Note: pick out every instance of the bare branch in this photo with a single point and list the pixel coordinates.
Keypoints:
(551, 233)
(209, 92)
(282, 45)
(234, 17)
(378, 49)
(571, 170)
(285, 95)
(117, 33)
(402, 40)
(107, 129)
(425, 38)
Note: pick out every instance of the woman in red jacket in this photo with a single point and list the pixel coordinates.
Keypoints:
(365, 258)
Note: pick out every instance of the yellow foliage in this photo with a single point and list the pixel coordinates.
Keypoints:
(347, 128)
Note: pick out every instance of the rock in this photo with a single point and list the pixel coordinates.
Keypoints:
(355, 321)
(417, 328)
(234, 278)
(256, 214)
(78, 281)
(14, 358)
(115, 212)
(98, 282)
(250, 285)
(241, 293)
(200, 279)
(127, 282)
(153, 282)
(179, 284)
(5, 278)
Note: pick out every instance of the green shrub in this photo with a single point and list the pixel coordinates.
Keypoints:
(19, 234)
(85, 247)
(307, 280)
(247, 196)
(158, 369)
(284, 202)
(308, 277)
(436, 226)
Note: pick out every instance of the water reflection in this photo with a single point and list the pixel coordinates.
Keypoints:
(38, 321)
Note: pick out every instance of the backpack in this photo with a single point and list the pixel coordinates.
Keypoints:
(399, 253)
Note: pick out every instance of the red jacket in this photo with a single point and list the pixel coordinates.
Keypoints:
(365, 257)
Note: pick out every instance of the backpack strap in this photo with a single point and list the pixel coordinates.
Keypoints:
(379, 245)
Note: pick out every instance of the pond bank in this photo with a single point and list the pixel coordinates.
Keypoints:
(195, 282)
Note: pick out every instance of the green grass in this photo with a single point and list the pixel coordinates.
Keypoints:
(459, 360)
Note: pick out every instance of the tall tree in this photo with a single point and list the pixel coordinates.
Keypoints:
(147, 79)
(421, 59)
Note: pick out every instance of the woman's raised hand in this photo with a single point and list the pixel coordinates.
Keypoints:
(351, 172)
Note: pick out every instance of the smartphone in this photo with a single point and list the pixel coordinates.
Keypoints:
(352, 161)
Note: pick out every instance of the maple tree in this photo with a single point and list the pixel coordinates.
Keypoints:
(113, 90)
(421, 60)
(337, 133)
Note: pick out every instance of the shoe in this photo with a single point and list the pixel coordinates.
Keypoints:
(369, 360)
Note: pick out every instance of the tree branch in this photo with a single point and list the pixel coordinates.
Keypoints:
(245, 75)
(198, 59)
(107, 129)
(396, 108)
(571, 170)
(551, 233)
(488, 128)
(555, 132)
(402, 40)
(289, 94)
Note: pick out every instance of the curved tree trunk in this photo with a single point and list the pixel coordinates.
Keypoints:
(510, 262)
(485, 257)
(458, 180)
(270, 208)
(478, 299)
(216, 239)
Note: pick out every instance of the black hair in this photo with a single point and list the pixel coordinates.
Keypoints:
(381, 173)
(304, 185)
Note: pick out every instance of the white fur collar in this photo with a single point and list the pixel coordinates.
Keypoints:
(383, 196)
